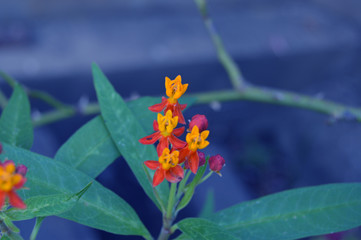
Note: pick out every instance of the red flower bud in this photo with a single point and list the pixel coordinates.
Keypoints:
(200, 121)
(216, 163)
(22, 169)
(202, 158)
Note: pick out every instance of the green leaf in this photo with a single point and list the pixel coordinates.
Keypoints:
(126, 131)
(15, 123)
(90, 149)
(191, 188)
(11, 225)
(11, 236)
(201, 229)
(295, 213)
(208, 206)
(47, 205)
(98, 208)
(140, 110)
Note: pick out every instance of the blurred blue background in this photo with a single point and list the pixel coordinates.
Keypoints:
(307, 46)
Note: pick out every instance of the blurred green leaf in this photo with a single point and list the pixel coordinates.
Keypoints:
(98, 208)
(11, 236)
(126, 131)
(295, 213)
(47, 205)
(90, 149)
(15, 123)
(11, 225)
(208, 206)
(201, 229)
(191, 188)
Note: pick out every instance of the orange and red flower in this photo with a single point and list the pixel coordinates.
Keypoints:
(174, 90)
(11, 179)
(165, 132)
(195, 140)
(166, 167)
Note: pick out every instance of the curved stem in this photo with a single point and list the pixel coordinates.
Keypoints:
(38, 222)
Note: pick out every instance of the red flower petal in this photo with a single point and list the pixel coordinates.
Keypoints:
(160, 106)
(158, 177)
(193, 162)
(15, 200)
(163, 144)
(175, 174)
(152, 164)
(178, 112)
(155, 126)
(2, 199)
(152, 138)
(183, 106)
(183, 154)
(178, 131)
(177, 143)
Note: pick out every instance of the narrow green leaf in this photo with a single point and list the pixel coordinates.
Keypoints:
(126, 131)
(208, 206)
(15, 123)
(11, 236)
(90, 149)
(201, 229)
(11, 225)
(295, 213)
(46, 205)
(98, 208)
(191, 188)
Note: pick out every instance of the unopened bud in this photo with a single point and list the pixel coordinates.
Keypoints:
(202, 158)
(200, 121)
(21, 169)
(216, 163)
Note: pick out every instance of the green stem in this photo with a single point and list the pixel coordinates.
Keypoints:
(205, 177)
(166, 230)
(279, 97)
(171, 200)
(225, 59)
(183, 183)
(38, 222)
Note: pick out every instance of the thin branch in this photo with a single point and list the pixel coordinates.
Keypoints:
(273, 96)
(226, 60)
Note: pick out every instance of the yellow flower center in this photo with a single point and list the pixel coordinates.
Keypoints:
(197, 140)
(167, 123)
(168, 160)
(8, 177)
(175, 89)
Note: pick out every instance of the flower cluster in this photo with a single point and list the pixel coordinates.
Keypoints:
(11, 179)
(172, 151)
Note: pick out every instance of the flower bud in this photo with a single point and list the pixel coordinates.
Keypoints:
(22, 169)
(216, 163)
(202, 158)
(200, 121)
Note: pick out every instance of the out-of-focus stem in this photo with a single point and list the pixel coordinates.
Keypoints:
(38, 222)
(225, 59)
